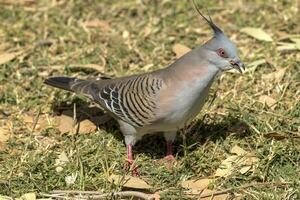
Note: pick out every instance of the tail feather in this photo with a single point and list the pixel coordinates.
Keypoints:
(67, 83)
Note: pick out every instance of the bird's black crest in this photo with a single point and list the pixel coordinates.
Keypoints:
(213, 26)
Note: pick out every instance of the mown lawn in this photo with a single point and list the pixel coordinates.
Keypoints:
(259, 111)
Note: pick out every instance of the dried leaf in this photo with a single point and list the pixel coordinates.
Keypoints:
(226, 167)
(196, 186)
(59, 169)
(245, 169)
(125, 34)
(19, 2)
(285, 46)
(155, 196)
(5, 134)
(275, 76)
(278, 136)
(129, 181)
(66, 122)
(97, 23)
(238, 151)
(242, 163)
(6, 57)
(2, 197)
(146, 31)
(40, 122)
(284, 36)
(148, 67)
(257, 33)
(70, 180)
(180, 50)
(253, 65)
(86, 126)
(28, 196)
(62, 159)
(250, 159)
(297, 42)
(269, 101)
(4, 46)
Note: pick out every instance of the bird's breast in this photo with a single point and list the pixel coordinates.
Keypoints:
(184, 101)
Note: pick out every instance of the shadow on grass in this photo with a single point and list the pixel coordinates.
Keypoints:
(154, 145)
(196, 135)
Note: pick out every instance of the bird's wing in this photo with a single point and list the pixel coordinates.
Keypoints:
(131, 99)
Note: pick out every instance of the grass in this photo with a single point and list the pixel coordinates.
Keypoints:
(141, 34)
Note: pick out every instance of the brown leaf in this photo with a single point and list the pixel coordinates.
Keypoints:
(97, 23)
(125, 34)
(275, 135)
(28, 196)
(4, 46)
(226, 167)
(129, 181)
(238, 151)
(286, 46)
(96, 67)
(5, 134)
(257, 33)
(86, 126)
(155, 196)
(241, 162)
(269, 101)
(66, 122)
(180, 50)
(6, 57)
(19, 2)
(278, 136)
(275, 76)
(61, 161)
(196, 186)
(297, 42)
(37, 122)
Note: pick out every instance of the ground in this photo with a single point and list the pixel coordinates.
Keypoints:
(259, 110)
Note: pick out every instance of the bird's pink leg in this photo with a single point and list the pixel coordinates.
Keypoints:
(169, 155)
(130, 161)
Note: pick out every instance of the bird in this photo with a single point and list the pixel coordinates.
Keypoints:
(164, 100)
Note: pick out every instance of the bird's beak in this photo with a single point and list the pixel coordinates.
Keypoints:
(238, 65)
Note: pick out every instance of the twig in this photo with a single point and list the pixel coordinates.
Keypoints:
(36, 120)
(73, 192)
(120, 195)
(96, 195)
(56, 196)
(211, 194)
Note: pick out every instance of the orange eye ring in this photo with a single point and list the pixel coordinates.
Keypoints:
(222, 53)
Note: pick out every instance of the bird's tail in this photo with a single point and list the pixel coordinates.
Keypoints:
(69, 83)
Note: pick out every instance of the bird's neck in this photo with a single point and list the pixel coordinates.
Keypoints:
(192, 66)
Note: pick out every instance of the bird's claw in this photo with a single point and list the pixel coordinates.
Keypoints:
(130, 166)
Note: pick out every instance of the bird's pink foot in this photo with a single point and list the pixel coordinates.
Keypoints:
(130, 165)
(169, 158)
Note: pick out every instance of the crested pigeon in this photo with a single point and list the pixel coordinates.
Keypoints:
(163, 100)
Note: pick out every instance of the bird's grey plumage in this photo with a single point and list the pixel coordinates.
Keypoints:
(130, 99)
(163, 100)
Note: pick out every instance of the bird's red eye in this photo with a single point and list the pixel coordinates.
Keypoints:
(222, 53)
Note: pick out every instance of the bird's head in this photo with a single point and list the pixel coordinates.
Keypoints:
(220, 50)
